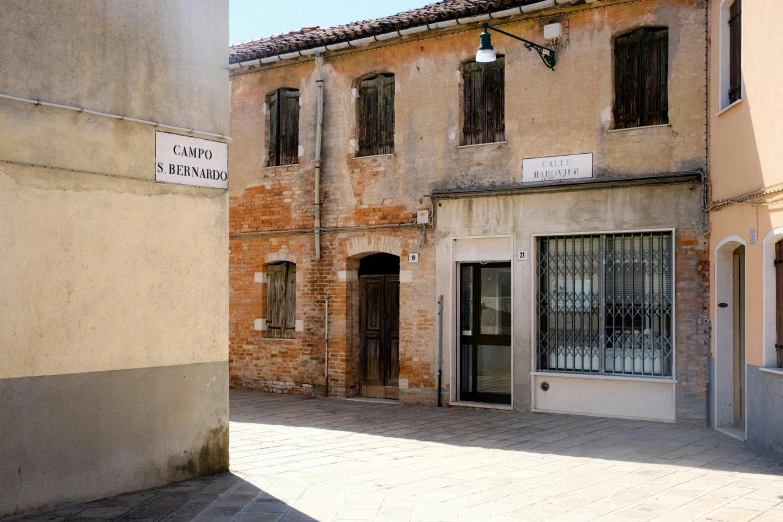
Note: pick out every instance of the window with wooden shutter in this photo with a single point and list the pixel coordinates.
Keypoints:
(281, 300)
(641, 73)
(483, 102)
(283, 120)
(735, 51)
(376, 115)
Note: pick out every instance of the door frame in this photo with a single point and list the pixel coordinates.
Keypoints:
(389, 391)
(479, 397)
(723, 336)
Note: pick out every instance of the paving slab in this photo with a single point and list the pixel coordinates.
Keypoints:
(306, 459)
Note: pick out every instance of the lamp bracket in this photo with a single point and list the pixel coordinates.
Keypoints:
(547, 55)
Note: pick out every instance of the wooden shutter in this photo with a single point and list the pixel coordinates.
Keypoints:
(495, 126)
(473, 103)
(376, 115)
(289, 126)
(779, 302)
(483, 102)
(281, 300)
(655, 76)
(368, 117)
(627, 58)
(274, 136)
(385, 114)
(735, 51)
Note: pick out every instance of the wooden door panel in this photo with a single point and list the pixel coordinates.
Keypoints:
(393, 329)
(372, 294)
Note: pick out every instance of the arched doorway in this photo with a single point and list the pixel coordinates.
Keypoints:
(379, 330)
(730, 390)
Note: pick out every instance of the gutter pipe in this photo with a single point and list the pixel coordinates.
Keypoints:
(369, 40)
(326, 345)
(318, 131)
(440, 345)
(113, 116)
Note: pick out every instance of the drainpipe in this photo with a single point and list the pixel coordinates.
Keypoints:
(326, 345)
(318, 128)
(440, 344)
(709, 369)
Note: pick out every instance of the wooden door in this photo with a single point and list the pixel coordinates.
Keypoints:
(380, 295)
(739, 338)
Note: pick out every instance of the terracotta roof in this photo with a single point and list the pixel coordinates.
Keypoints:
(310, 37)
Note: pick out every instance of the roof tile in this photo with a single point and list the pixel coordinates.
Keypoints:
(309, 37)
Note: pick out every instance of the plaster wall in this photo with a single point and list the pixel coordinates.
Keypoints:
(591, 211)
(744, 157)
(113, 287)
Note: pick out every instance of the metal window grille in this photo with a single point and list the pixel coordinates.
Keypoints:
(605, 304)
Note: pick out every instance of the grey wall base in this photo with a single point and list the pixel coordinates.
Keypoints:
(67, 438)
(765, 410)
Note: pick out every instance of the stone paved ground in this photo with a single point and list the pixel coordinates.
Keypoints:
(295, 458)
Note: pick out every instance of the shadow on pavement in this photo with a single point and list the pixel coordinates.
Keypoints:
(219, 497)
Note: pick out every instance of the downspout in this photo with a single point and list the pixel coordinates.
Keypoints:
(319, 120)
(326, 345)
(440, 345)
(707, 384)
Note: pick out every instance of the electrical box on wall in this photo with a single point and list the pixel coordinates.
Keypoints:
(422, 217)
(553, 32)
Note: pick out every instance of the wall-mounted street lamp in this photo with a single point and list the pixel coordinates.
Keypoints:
(487, 54)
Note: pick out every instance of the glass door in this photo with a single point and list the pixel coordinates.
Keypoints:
(485, 332)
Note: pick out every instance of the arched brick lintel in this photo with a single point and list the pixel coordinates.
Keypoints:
(360, 247)
(276, 257)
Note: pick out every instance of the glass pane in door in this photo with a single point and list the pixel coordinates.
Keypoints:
(485, 332)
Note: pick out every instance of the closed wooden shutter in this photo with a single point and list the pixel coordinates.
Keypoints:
(735, 51)
(483, 102)
(283, 127)
(495, 127)
(281, 300)
(641, 75)
(779, 302)
(289, 126)
(655, 77)
(274, 135)
(376, 115)
(627, 70)
(385, 114)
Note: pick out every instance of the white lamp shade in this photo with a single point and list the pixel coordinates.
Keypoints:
(485, 55)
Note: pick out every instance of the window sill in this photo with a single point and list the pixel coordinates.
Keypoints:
(772, 369)
(391, 154)
(278, 339)
(729, 107)
(660, 380)
(482, 144)
(485, 405)
(282, 166)
(641, 128)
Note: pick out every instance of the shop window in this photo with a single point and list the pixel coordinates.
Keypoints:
(605, 304)
(281, 300)
(283, 105)
(641, 71)
(483, 102)
(376, 115)
(735, 51)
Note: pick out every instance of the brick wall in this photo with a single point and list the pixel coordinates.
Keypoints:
(692, 289)
(272, 222)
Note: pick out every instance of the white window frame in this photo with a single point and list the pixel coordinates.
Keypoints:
(724, 58)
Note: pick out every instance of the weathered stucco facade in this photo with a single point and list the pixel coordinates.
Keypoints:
(746, 218)
(114, 288)
(646, 178)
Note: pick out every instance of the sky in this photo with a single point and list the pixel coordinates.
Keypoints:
(254, 19)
